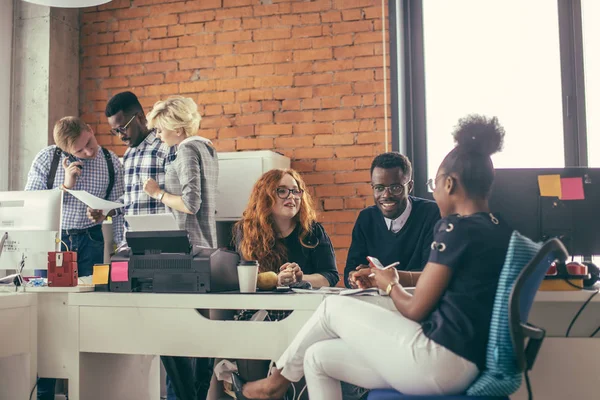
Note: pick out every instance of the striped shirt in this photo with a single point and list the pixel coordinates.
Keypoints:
(193, 176)
(94, 179)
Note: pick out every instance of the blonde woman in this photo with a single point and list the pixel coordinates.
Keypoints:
(191, 179)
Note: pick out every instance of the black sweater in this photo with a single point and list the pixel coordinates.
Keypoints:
(410, 246)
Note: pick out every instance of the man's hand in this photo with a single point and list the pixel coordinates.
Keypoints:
(357, 280)
(289, 273)
(98, 216)
(72, 171)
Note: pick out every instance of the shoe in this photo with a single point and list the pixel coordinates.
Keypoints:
(237, 384)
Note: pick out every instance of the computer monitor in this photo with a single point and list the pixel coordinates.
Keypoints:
(32, 221)
(516, 197)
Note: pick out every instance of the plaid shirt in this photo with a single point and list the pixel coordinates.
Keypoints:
(94, 179)
(147, 160)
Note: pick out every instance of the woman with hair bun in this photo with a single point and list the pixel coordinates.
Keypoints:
(191, 179)
(436, 343)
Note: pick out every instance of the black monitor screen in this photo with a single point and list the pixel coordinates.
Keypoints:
(516, 196)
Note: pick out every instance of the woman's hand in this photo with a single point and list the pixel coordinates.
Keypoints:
(72, 171)
(151, 188)
(383, 277)
(289, 273)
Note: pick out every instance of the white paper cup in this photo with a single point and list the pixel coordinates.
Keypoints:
(247, 276)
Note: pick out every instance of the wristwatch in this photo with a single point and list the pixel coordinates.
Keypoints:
(389, 288)
(160, 196)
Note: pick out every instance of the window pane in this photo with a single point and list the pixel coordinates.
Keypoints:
(590, 10)
(497, 58)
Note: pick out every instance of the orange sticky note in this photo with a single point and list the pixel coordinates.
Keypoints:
(549, 185)
(572, 189)
(119, 271)
(100, 276)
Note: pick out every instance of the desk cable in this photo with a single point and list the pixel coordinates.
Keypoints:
(33, 388)
(583, 306)
(4, 237)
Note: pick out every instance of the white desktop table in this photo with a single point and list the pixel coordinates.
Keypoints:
(18, 344)
(110, 342)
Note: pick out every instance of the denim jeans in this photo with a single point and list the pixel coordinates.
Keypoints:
(89, 245)
(195, 372)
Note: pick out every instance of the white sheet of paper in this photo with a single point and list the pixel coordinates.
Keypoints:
(152, 222)
(94, 202)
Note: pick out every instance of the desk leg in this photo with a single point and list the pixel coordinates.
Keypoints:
(73, 357)
(566, 368)
(33, 345)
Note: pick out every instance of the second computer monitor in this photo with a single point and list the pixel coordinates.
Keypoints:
(516, 196)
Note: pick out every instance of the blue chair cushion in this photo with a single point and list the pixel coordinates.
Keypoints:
(502, 376)
(388, 394)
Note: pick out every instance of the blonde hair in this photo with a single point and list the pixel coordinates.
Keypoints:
(177, 112)
(67, 130)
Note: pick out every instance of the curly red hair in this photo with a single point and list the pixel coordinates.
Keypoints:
(257, 227)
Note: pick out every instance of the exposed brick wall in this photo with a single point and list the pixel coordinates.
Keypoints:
(304, 78)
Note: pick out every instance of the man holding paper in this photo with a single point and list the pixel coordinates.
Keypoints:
(78, 162)
(144, 159)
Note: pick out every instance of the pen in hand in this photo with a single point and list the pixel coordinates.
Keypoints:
(384, 268)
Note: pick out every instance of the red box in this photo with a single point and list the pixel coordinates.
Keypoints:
(62, 269)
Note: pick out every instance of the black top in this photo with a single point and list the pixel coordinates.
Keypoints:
(317, 260)
(410, 245)
(474, 248)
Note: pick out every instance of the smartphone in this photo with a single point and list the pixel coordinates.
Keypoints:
(73, 159)
(375, 263)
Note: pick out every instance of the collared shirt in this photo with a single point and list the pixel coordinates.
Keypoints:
(94, 179)
(398, 223)
(147, 160)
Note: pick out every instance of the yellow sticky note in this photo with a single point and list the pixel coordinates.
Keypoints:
(100, 276)
(549, 185)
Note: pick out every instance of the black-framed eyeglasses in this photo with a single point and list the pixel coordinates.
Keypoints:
(396, 189)
(432, 182)
(283, 192)
(121, 130)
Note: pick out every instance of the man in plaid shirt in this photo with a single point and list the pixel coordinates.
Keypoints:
(82, 165)
(145, 158)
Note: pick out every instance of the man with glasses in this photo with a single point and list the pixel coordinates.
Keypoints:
(145, 158)
(399, 227)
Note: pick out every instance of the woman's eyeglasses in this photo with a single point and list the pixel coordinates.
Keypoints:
(283, 192)
(121, 130)
(431, 182)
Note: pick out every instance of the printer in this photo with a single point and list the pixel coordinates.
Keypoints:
(165, 262)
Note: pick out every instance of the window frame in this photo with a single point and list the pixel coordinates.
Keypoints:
(407, 67)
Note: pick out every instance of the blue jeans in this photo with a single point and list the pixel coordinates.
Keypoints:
(195, 372)
(89, 245)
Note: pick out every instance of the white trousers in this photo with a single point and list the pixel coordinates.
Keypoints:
(350, 340)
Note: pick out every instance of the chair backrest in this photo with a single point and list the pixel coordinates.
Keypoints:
(524, 267)
(523, 294)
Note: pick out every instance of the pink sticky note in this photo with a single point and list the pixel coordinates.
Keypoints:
(119, 271)
(572, 189)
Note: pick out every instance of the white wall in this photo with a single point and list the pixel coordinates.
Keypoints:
(6, 30)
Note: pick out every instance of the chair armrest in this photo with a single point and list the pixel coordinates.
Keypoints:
(536, 337)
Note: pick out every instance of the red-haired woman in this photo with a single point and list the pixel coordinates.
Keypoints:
(280, 231)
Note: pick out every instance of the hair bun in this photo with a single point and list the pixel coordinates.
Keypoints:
(479, 134)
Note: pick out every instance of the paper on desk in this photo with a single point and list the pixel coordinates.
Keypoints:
(94, 202)
(100, 276)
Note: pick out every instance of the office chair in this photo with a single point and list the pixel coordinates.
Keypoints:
(508, 356)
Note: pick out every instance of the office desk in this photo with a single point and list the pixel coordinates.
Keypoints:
(104, 329)
(18, 344)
